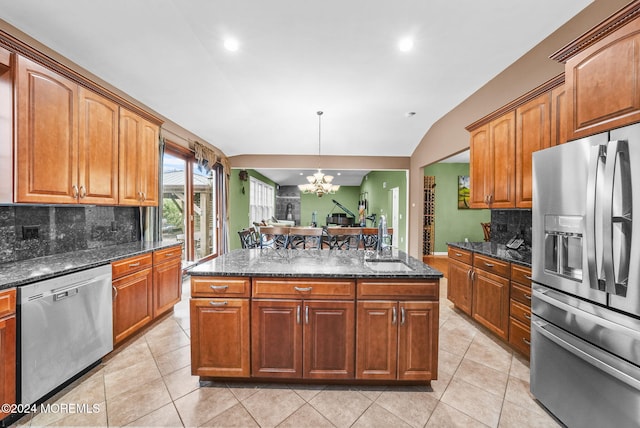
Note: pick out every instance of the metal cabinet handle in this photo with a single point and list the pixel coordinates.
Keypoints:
(306, 314)
(116, 290)
(74, 192)
(473, 275)
(83, 192)
(458, 254)
(489, 264)
(528, 277)
(219, 287)
(144, 196)
(402, 316)
(526, 341)
(134, 264)
(527, 316)
(394, 315)
(298, 314)
(225, 303)
(303, 289)
(527, 296)
(168, 255)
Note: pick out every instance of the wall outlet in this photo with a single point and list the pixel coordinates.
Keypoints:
(30, 232)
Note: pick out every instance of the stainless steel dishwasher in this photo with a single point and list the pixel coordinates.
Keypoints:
(65, 326)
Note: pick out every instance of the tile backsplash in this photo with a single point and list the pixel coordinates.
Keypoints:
(27, 232)
(505, 224)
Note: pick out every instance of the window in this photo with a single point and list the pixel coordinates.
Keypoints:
(190, 204)
(262, 200)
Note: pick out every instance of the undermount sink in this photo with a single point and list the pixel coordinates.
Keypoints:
(387, 265)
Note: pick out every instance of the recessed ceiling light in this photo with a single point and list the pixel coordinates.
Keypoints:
(231, 44)
(405, 44)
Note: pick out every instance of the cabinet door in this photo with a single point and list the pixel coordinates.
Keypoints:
(329, 342)
(479, 167)
(220, 337)
(132, 303)
(603, 83)
(97, 149)
(276, 338)
(502, 159)
(167, 285)
(459, 286)
(130, 158)
(7, 361)
(47, 139)
(418, 341)
(533, 133)
(491, 302)
(559, 116)
(377, 336)
(149, 134)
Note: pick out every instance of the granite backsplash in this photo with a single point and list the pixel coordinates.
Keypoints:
(28, 232)
(505, 224)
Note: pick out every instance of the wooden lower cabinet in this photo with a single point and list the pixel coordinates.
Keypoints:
(132, 303)
(303, 339)
(167, 279)
(491, 302)
(459, 285)
(220, 337)
(396, 340)
(7, 348)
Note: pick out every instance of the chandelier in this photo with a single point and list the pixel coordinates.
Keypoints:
(319, 183)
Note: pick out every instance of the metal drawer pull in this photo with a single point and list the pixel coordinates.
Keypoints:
(134, 264)
(303, 289)
(526, 341)
(394, 315)
(219, 303)
(527, 315)
(168, 255)
(528, 277)
(488, 264)
(219, 287)
(458, 254)
(527, 296)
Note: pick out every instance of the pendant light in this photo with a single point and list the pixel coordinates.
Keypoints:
(319, 183)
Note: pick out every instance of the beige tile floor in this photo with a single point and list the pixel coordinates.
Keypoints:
(148, 383)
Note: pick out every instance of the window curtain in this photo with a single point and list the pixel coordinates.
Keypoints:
(208, 158)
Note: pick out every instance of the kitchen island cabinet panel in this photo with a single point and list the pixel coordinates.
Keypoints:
(276, 338)
(418, 340)
(220, 337)
(377, 347)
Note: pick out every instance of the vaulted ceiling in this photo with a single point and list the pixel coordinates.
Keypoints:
(294, 58)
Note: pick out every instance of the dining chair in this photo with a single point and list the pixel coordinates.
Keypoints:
(306, 238)
(274, 237)
(344, 238)
(249, 238)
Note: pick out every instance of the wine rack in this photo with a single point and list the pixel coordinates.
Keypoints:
(429, 215)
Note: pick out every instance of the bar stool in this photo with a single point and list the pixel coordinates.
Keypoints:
(274, 237)
(370, 238)
(249, 238)
(306, 238)
(344, 238)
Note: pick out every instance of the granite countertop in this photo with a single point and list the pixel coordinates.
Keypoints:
(522, 256)
(27, 271)
(316, 263)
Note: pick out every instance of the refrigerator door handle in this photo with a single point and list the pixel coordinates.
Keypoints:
(616, 209)
(589, 353)
(593, 233)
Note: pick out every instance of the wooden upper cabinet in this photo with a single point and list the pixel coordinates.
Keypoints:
(603, 80)
(532, 134)
(478, 170)
(6, 127)
(98, 149)
(138, 181)
(502, 139)
(47, 138)
(559, 115)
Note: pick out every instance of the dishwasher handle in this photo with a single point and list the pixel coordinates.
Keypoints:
(65, 294)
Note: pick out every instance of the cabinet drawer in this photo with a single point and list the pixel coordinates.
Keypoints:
(7, 302)
(461, 255)
(489, 264)
(520, 312)
(521, 275)
(206, 286)
(521, 294)
(167, 254)
(303, 288)
(130, 265)
(398, 289)
(520, 337)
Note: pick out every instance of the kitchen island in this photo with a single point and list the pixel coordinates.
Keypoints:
(315, 316)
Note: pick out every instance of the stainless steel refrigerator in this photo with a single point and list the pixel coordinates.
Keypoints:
(585, 327)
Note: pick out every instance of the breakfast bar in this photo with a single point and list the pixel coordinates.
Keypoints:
(310, 316)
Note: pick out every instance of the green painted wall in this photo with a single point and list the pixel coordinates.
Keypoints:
(377, 185)
(453, 224)
(239, 204)
(346, 195)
